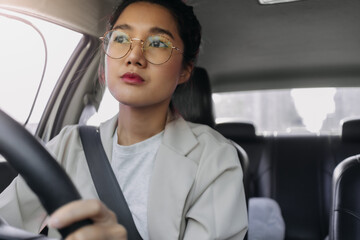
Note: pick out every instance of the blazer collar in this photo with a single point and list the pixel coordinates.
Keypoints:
(177, 136)
(107, 130)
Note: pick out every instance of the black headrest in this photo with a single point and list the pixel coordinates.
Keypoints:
(193, 100)
(237, 130)
(351, 130)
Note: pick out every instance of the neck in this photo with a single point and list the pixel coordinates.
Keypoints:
(138, 124)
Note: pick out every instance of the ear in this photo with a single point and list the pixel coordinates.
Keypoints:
(186, 73)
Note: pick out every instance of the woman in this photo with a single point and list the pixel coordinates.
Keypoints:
(181, 180)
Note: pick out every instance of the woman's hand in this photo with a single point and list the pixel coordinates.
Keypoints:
(105, 224)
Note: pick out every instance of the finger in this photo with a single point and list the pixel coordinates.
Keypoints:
(80, 210)
(96, 232)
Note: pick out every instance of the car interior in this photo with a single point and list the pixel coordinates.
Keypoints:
(247, 46)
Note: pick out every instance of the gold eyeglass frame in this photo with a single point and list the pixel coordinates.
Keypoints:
(142, 46)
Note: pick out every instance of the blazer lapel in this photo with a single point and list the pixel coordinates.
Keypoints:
(107, 130)
(172, 178)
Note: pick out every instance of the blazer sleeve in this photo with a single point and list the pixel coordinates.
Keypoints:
(219, 206)
(19, 206)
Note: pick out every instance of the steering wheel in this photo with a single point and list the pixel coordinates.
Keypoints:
(40, 170)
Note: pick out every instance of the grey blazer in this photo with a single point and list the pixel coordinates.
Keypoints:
(196, 189)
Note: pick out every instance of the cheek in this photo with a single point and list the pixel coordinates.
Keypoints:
(172, 72)
(110, 68)
(106, 69)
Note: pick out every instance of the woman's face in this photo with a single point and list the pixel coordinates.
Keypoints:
(132, 80)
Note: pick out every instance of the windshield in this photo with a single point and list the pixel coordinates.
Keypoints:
(22, 61)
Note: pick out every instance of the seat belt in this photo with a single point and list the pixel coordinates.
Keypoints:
(104, 179)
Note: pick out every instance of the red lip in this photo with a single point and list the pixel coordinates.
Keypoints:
(132, 78)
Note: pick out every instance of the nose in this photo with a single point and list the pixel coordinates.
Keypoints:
(136, 55)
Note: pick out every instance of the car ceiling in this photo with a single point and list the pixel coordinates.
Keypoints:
(309, 43)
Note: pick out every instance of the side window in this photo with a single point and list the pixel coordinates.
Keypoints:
(22, 60)
(290, 111)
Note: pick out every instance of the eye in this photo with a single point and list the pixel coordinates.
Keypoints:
(158, 42)
(121, 38)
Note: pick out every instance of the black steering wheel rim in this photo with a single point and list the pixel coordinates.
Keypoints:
(44, 175)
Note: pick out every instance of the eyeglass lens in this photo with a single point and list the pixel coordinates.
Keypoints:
(156, 49)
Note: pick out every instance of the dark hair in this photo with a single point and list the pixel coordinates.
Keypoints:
(188, 25)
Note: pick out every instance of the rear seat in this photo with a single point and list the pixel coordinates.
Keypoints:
(244, 134)
(349, 142)
(345, 212)
(296, 171)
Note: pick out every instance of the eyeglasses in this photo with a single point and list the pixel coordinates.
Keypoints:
(156, 49)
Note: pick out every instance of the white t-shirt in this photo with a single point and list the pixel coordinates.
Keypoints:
(133, 167)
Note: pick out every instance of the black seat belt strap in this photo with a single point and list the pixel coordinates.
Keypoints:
(104, 179)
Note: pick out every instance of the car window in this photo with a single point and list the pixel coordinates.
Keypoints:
(289, 111)
(22, 61)
(286, 111)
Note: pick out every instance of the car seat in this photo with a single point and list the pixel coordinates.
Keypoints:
(351, 130)
(193, 100)
(345, 211)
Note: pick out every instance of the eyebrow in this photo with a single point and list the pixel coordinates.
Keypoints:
(122, 27)
(157, 30)
(153, 30)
